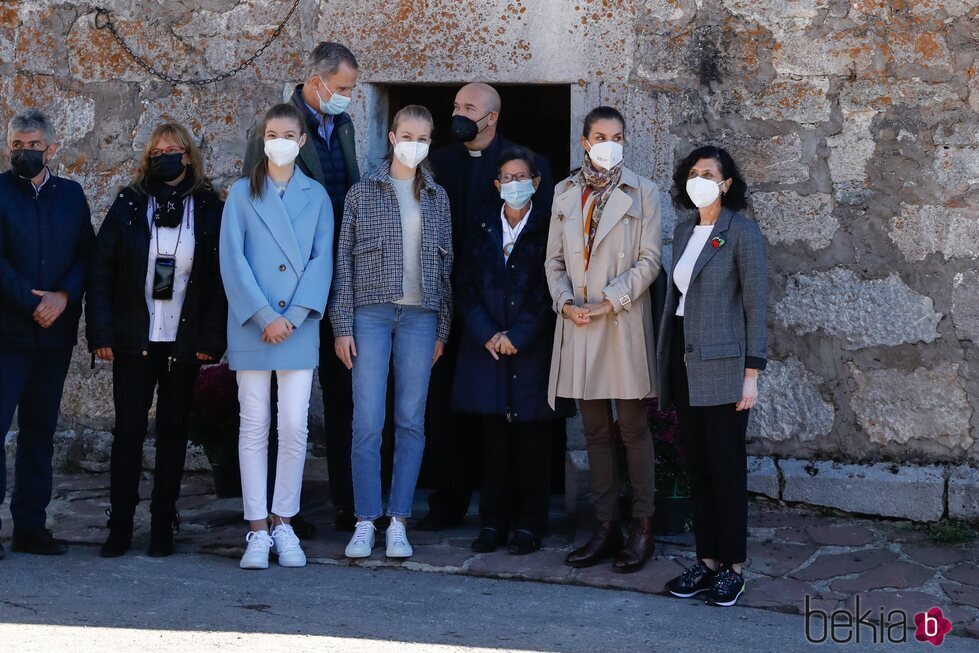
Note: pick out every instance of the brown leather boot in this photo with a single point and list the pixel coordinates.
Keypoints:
(605, 543)
(638, 547)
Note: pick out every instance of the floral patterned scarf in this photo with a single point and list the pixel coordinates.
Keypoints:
(598, 185)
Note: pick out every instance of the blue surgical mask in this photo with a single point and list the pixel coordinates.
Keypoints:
(517, 193)
(337, 104)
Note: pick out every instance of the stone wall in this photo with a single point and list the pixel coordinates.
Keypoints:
(856, 124)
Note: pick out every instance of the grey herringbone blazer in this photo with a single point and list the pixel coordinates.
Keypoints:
(369, 261)
(724, 324)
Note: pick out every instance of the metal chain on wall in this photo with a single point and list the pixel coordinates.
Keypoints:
(103, 20)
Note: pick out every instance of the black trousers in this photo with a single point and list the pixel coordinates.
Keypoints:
(134, 378)
(338, 415)
(713, 440)
(453, 457)
(516, 475)
(31, 383)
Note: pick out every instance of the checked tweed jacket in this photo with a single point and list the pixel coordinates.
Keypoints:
(369, 262)
(724, 324)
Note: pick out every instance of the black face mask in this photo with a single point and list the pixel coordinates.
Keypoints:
(27, 163)
(465, 129)
(167, 167)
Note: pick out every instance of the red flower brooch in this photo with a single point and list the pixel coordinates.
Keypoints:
(716, 242)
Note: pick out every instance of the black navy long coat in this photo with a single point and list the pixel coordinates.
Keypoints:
(493, 296)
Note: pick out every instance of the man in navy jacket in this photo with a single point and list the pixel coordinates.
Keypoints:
(45, 238)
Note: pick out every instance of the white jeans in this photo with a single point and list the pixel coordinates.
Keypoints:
(253, 440)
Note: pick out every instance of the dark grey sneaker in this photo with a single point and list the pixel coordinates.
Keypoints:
(728, 586)
(691, 582)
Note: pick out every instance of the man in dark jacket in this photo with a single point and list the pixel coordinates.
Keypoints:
(46, 237)
(466, 169)
(330, 157)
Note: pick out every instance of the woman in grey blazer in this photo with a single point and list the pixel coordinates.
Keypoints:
(712, 345)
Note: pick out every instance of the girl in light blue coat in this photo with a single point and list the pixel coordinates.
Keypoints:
(276, 263)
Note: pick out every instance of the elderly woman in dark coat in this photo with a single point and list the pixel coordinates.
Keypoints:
(505, 357)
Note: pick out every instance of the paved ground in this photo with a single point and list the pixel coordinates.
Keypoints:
(195, 602)
(793, 554)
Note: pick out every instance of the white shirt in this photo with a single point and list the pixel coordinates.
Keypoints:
(511, 234)
(411, 241)
(165, 314)
(683, 269)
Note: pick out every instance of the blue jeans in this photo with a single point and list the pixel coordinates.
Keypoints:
(409, 333)
(31, 382)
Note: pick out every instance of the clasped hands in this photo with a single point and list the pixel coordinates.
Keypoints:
(582, 315)
(500, 344)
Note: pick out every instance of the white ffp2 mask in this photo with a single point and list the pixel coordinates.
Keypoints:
(411, 153)
(281, 151)
(606, 154)
(702, 192)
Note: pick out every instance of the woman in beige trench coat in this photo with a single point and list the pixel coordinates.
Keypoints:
(603, 253)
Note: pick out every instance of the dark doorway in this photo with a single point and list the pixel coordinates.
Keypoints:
(537, 116)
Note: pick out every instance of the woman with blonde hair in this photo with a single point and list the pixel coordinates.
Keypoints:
(156, 310)
(391, 306)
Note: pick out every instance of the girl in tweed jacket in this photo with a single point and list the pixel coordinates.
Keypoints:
(391, 304)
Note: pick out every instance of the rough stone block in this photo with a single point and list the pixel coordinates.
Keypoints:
(904, 491)
(963, 493)
(763, 476)
(852, 149)
(957, 168)
(780, 158)
(922, 230)
(926, 404)
(802, 101)
(965, 305)
(861, 312)
(788, 217)
(790, 405)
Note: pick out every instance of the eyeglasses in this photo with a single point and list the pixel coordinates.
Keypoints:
(169, 150)
(506, 178)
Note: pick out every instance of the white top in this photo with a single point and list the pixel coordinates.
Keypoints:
(683, 269)
(510, 234)
(411, 241)
(475, 153)
(177, 242)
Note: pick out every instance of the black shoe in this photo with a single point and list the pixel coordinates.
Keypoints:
(437, 521)
(692, 581)
(120, 536)
(161, 535)
(345, 521)
(488, 540)
(523, 542)
(303, 528)
(728, 586)
(38, 541)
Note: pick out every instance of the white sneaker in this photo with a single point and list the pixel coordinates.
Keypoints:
(287, 547)
(362, 543)
(397, 540)
(257, 552)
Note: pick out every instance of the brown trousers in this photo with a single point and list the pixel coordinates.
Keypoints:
(596, 417)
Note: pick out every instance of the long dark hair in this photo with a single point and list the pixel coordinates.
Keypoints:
(735, 197)
(413, 112)
(256, 179)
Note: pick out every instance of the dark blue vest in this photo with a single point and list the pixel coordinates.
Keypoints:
(332, 161)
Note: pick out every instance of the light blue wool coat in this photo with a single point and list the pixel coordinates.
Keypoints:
(276, 259)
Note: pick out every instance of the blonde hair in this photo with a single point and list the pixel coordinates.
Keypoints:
(414, 112)
(178, 134)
